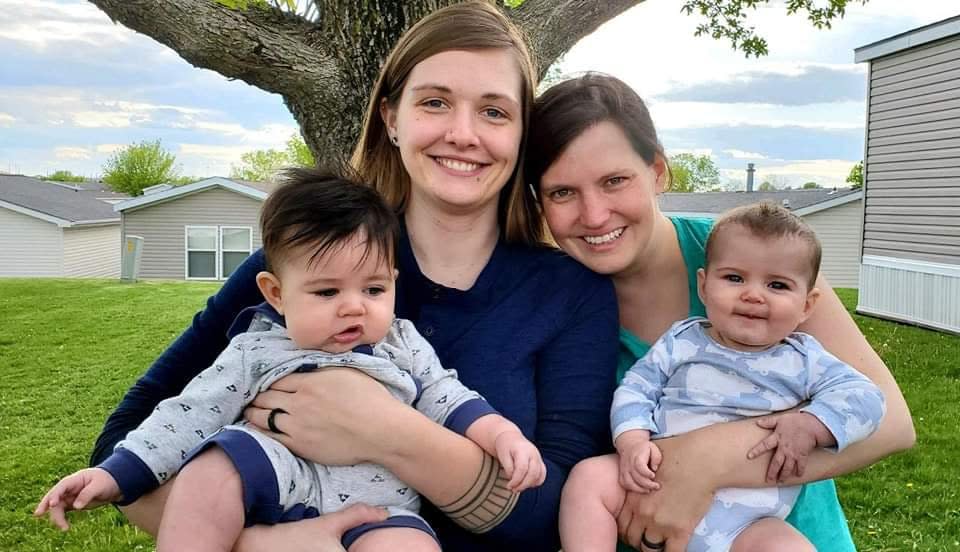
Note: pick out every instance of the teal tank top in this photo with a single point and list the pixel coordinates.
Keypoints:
(817, 513)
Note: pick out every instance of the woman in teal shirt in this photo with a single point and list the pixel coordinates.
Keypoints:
(596, 165)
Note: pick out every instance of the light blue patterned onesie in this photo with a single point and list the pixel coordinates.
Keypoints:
(687, 381)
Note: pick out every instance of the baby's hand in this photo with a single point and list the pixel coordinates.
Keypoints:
(795, 435)
(84, 490)
(639, 460)
(520, 460)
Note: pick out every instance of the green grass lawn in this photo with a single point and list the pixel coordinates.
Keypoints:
(72, 347)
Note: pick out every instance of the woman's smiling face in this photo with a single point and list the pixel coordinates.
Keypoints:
(458, 124)
(599, 199)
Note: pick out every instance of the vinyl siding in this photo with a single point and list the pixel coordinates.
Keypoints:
(912, 191)
(838, 229)
(162, 226)
(92, 252)
(916, 292)
(29, 246)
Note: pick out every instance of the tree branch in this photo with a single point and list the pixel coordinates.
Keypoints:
(266, 48)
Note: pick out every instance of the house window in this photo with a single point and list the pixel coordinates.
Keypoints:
(236, 244)
(214, 252)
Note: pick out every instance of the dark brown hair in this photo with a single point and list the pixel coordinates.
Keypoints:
(321, 210)
(475, 25)
(768, 220)
(569, 108)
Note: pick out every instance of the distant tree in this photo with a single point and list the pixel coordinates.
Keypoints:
(265, 165)
(140, 166)
(766, 186)
(260, 165)
(855, 178)
(299, 153)
(811, 186)
(693, 173)
(64, 176)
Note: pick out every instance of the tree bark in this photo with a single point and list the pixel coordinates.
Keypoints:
(324, 69)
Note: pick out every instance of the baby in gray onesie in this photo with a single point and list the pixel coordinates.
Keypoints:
(329, 245)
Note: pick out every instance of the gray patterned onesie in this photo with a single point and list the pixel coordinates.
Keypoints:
(279, 486)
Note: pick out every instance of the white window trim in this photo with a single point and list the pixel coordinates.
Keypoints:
(218, 251)
(186, 251)
(248, 250)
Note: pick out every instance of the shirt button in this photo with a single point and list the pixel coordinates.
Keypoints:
(428, 331)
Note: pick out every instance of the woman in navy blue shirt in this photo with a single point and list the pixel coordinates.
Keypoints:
(526, 326)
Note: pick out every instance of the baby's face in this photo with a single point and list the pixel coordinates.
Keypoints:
(339, 301)
(756, 290)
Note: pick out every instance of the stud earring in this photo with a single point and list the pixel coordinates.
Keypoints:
(394, 140)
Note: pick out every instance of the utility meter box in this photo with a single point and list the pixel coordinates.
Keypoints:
(130, 258)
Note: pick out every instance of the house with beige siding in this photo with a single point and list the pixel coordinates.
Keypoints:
(199, 231)
(835, 215)
(910, 268)
(49, 229)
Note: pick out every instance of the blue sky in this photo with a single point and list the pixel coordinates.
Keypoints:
(74, 87)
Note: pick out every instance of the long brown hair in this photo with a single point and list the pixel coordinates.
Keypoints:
(475, 25)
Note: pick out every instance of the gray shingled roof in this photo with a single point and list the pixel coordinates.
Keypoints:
(50, 199)
(92, 188)
(718, 202)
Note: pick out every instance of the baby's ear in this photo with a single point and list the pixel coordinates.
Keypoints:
(270, 288)
(812, 297)
(701, 279)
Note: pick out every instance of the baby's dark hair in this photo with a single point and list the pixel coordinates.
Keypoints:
(769, 220)
(321, 210)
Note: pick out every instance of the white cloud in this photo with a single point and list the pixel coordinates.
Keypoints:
(71, 152)
(219, 153)
(108, 148)
(138, 107)
(6, 119)
(103, 119)
(267, 136)
(38, 24)
(826, 172)
(695, 151)
(834, 116)
(740, 154)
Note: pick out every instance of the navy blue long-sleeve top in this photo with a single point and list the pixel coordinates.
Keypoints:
(536, 335)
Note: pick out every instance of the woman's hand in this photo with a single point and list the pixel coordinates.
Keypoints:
(671, 513)
(321, 534)
(334, 416)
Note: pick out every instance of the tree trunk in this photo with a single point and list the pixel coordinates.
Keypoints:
(324, 69)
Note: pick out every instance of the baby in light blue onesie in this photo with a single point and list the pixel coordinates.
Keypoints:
(745, 359)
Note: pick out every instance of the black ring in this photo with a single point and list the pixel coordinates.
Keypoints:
(651, 545)
(272, 424)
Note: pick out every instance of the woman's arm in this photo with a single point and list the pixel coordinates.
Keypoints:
(833, 326)
(351, 409)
